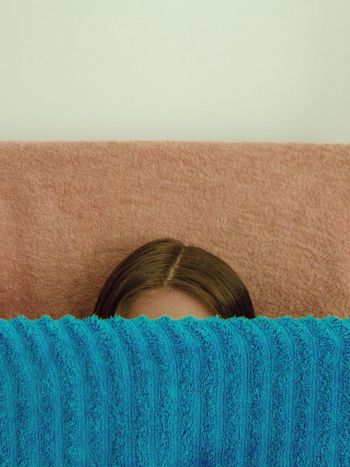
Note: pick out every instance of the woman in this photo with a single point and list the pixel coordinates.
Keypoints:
(167, 277)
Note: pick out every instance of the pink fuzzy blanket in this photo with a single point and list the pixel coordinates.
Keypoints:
(278, 213)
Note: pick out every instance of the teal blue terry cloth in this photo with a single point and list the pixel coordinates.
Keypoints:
(188, 392)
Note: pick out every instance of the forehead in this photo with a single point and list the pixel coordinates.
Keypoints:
(177, 304)
(168, 298)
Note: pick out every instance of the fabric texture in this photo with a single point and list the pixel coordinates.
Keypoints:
(277, 213)
(188, 392)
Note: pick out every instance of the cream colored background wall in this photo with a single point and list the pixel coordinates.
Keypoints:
(175, 70)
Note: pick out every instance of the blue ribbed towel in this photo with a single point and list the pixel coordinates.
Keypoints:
(141, 392)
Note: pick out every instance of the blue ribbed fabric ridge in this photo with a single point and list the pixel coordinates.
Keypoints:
(188, 392)
(186, 386)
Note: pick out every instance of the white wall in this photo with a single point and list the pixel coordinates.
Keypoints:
(202, 70)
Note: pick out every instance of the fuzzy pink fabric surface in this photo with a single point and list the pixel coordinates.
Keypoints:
(278, 213)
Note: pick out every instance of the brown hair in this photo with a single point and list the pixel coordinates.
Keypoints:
(169, 263)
